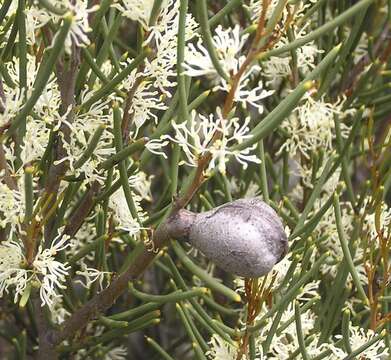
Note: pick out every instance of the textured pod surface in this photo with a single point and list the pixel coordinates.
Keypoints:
(244, 237)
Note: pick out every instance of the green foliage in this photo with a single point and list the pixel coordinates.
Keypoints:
(115, 117)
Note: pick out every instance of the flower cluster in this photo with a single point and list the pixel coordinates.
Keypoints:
(36, 18)
(279, 67)
(312, 126)
(229, 44)
(157, 78)
(214, 135)
(45, 272)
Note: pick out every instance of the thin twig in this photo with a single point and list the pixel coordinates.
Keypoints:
(66, 81)
(8, 179)
(45, 351)
(127, 117)
(2, 97)
(205, 159)
(366, 59)
(78, 217)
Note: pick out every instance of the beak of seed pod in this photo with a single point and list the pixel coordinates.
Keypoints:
(244, 237)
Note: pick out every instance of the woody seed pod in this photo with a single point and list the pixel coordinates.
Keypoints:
(244, 237)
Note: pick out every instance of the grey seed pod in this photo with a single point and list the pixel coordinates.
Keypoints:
(244, 237)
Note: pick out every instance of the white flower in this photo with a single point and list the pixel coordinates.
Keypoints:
(164, 38)
(11, 206)
(159, 71)
(85, 235)
(228, 44)
(360, 336)
(136, 10)
(252, 96)
(37, 17)
(195, 139)
(141, 183)
(81, 129)
(58, 312)
(122, 214)
(35, 140)
(117, 353)
(155, 146)
(285, 343)
(46, 111)
(10, 106)
(311, 126)
(325, 232)
(91, 275)
(106, 68)
(45, 272)
(277, 67)
(49, 272)
(79, 25)
(50, 93)
(145, 100)
(11, 271)
(256, 6)
(220, 349)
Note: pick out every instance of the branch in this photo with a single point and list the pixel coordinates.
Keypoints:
(2, 97)
(66, 81)
(45, 351)
(82, 211)
(8, 179)
(105, 299)
(127, 117)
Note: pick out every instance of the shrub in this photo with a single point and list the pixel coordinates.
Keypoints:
(134, 137)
